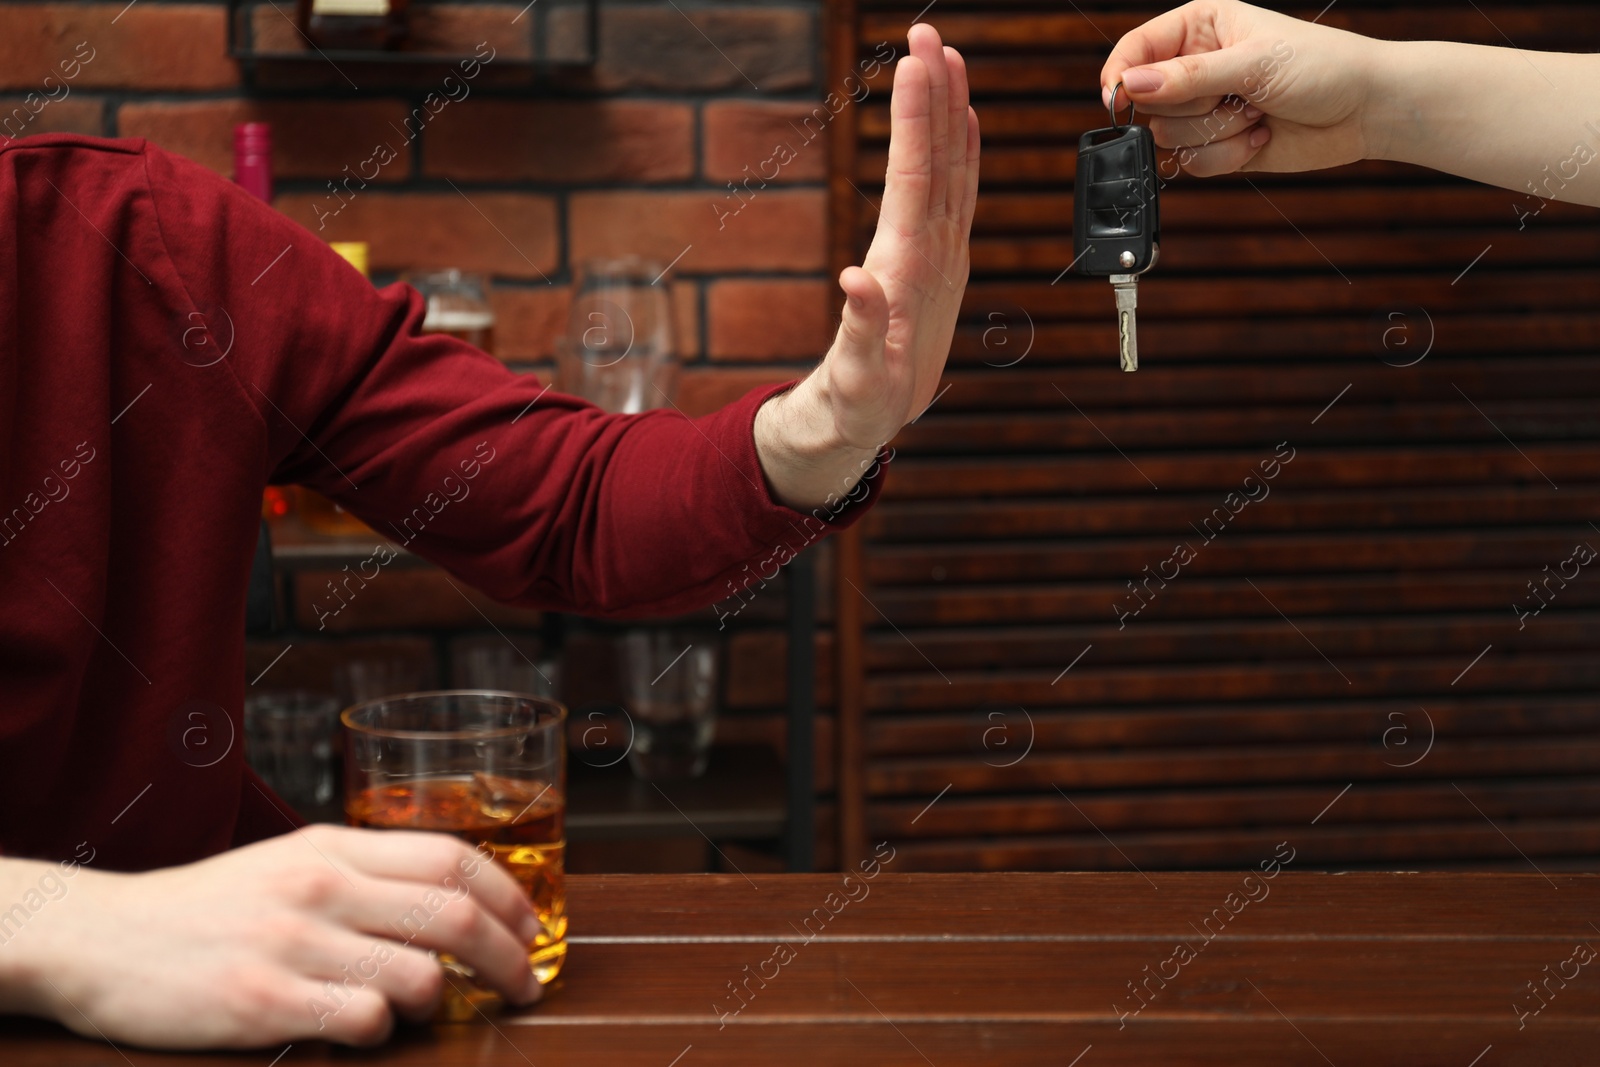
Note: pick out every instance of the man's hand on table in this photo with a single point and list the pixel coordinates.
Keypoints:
(237, 950)
(816, 440)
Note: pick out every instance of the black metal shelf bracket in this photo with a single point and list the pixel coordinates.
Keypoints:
(800, 832)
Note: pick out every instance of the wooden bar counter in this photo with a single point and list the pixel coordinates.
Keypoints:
(1075, 970)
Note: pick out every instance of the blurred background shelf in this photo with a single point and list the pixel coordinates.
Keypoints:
(741, 795)
(297, 547)
(527, 36)
(747, 793)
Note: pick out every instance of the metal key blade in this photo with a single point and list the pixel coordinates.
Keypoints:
(1126, 287)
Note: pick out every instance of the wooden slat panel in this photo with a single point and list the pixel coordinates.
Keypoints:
(1324, 468)
(1276, 764)
(1047, 166)
(1453, 550)
(1399, 847)
(1024, 432)
(1378, 579)
(1309, 677)
(1485, 382)
(1290, 251)
(1090, 516)
(1001, 337)
(1238, 640)
(1197, 205)
(1372, 804)
(1313, 294)
(1298, 596)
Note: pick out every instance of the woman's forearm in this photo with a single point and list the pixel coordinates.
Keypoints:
(1525, 121)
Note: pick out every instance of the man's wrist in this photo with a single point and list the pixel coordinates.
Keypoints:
(798, 423)
(806, 460)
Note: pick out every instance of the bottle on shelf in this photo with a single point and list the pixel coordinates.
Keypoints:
(252, 159)
(363, 25)
(252, 172)
(320, 513)
(355, 253)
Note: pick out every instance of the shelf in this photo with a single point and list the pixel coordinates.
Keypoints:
(740, 795)
(562, 35)
(297, 547)
(745, 793)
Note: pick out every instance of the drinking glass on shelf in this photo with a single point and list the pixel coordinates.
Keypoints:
(489, 768)
(288, 738)
(618, 352)
(458, 305)
(670, 685)
(506, 664)
(363, 678)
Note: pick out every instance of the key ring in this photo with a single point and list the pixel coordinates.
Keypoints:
(1133, 109)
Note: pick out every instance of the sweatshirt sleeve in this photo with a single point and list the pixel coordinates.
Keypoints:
(537, 498)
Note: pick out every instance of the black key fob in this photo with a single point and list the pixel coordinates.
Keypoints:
(1116, 225)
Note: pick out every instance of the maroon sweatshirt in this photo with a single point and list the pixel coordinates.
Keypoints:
(168, 347)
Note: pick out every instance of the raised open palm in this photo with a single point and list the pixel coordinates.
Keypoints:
(903, 301)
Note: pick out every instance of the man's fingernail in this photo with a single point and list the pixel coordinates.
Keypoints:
(1260, 136)
(533, 990)
(854, 302)
(1105, 96)
(1251, 113)
(529, 929)
(1143, 80)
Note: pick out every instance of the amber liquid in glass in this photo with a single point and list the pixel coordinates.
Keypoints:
(476, 330)
(521, 820)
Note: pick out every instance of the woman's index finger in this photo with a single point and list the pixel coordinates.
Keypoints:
(1182, 31)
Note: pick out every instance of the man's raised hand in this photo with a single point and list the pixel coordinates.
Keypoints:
(902, 302)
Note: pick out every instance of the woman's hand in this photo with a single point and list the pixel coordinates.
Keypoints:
(902, 302)
(323, 933)
(1236, 88)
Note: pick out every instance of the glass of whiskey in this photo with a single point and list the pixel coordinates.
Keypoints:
(487, 767)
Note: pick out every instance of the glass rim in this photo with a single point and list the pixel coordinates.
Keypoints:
(623, 270)
(453, 275)
(347, 716)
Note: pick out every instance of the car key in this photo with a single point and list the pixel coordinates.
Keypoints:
(1116, 230)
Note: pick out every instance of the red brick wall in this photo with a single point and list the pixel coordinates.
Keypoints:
(632, 155)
